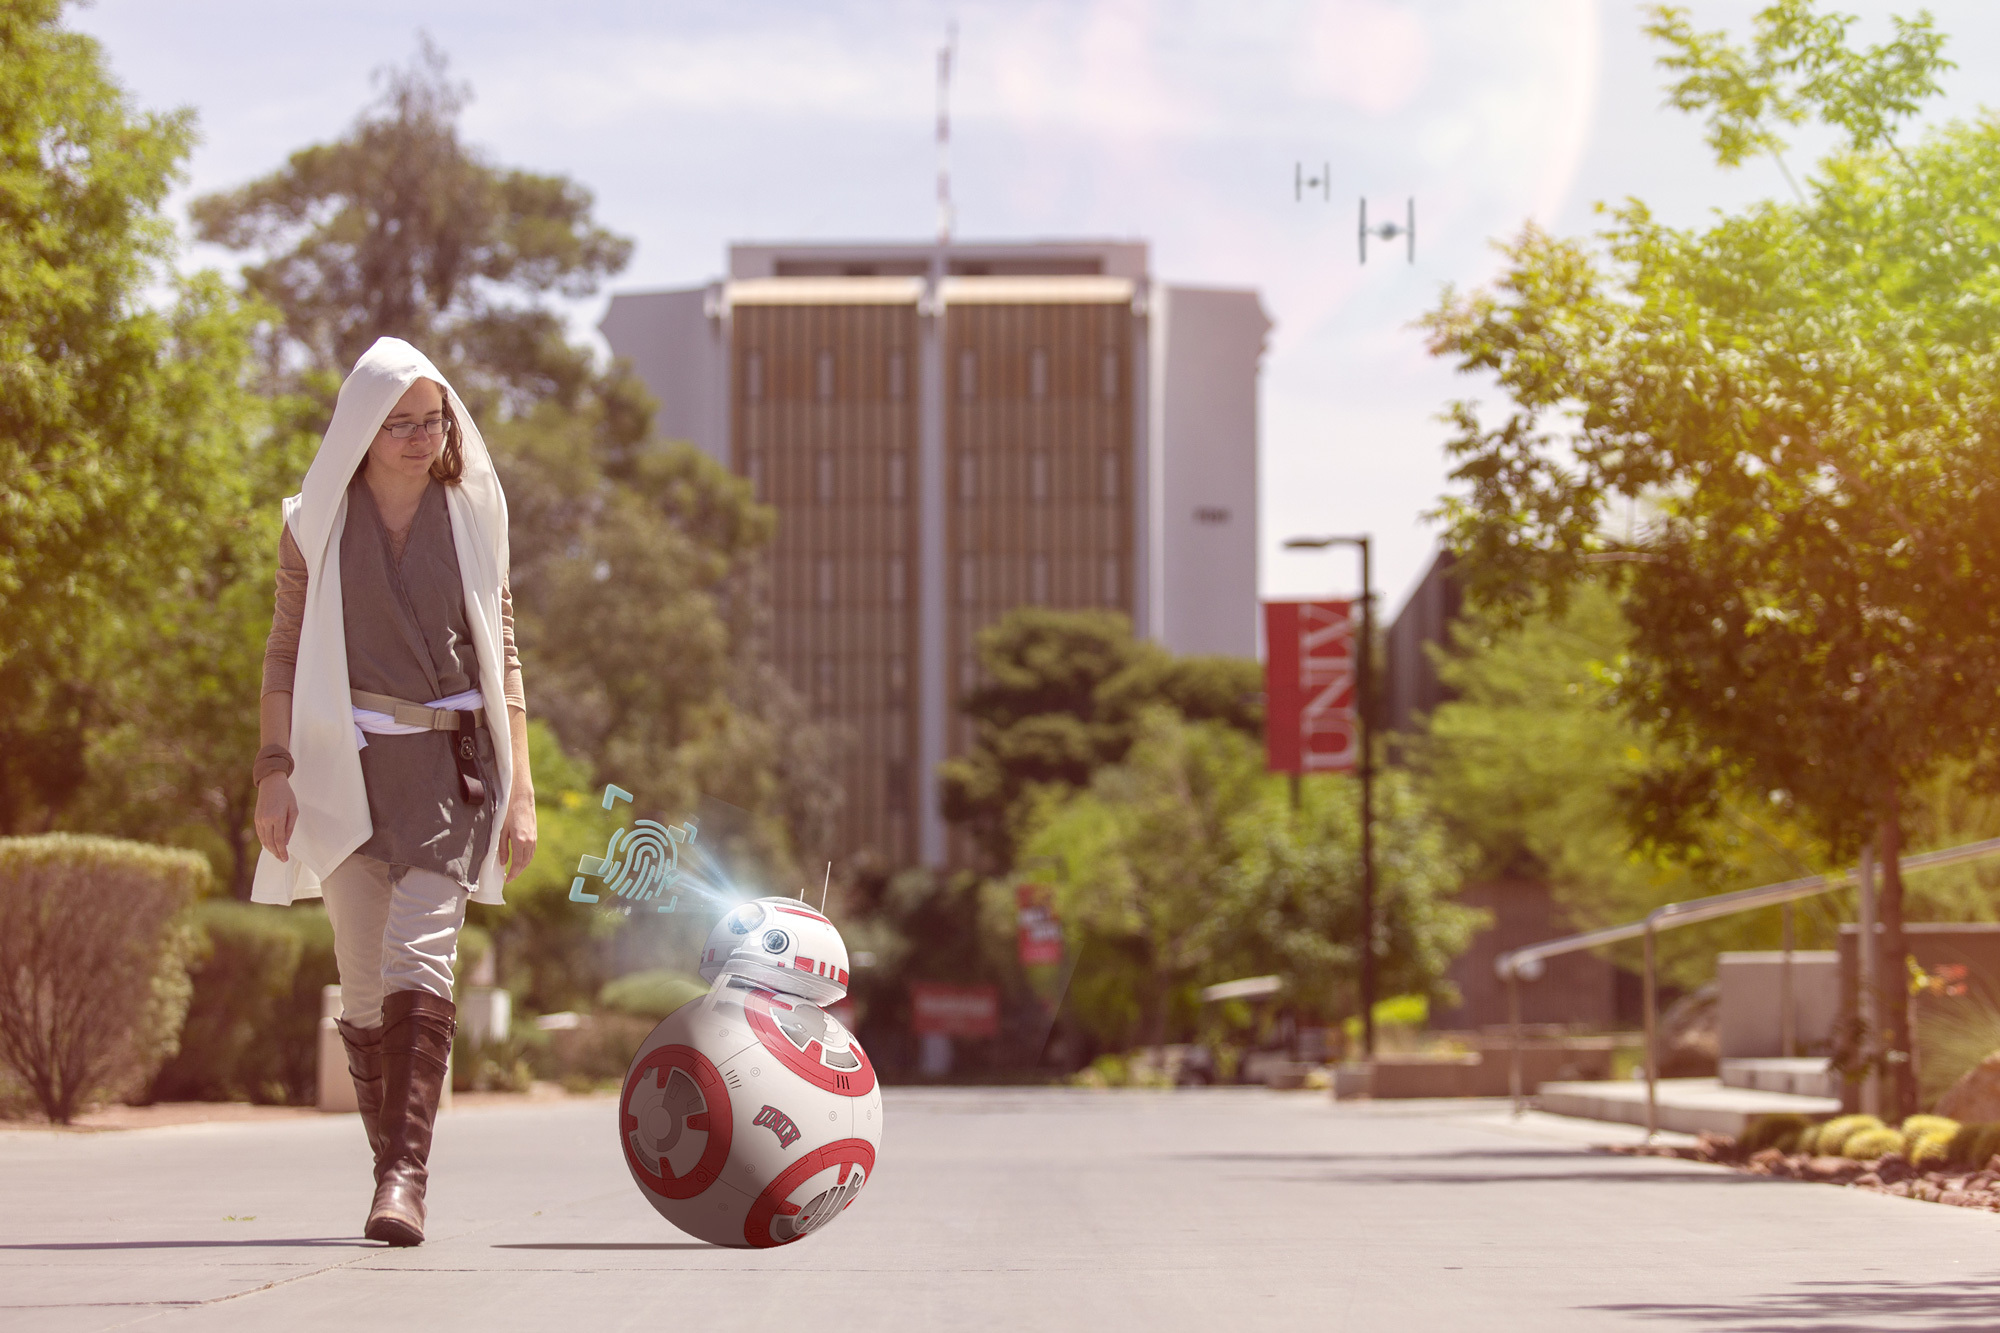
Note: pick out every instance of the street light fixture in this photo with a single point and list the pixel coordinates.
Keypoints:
(1364, 679)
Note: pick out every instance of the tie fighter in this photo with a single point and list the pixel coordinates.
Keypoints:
(1389, 231)
(1323, 182)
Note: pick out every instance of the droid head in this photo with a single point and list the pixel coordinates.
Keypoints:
(780, 944)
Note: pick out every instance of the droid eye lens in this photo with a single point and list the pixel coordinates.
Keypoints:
(775, 941)
(745, 918)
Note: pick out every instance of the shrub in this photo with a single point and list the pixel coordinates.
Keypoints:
(1927, 1150)
(1833, 1135)
(1781, 1130)
(652, 994)
(1868, 1144)
(1974, 1145)
(252, 1031)
(93, 963)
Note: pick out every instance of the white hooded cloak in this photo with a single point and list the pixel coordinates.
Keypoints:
(326, 774)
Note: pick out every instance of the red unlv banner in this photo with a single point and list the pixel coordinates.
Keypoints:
(1312, 713)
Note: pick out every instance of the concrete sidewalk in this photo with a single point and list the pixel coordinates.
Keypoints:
(994, 1209)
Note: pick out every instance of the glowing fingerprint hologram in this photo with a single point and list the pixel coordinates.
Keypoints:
(640, 863)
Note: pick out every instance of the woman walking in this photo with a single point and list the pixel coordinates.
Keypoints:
(387, 782)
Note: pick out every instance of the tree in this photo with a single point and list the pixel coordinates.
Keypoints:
(400, 228)
(121, 418)
(1798, 398)
(1062, 697)
(1186, 863)
(633, 558)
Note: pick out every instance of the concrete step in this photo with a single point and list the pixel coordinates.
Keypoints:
(1687, 1105)
(1807, 1076)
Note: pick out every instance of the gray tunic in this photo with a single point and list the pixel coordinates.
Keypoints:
(407, 636)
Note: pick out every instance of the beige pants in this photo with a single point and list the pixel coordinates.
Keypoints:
(390, 937)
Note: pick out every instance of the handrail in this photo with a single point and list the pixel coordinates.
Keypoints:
(1517, 965)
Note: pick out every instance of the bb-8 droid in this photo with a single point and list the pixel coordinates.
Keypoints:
(750, 1116)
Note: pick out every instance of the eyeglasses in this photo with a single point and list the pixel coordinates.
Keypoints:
(407, 430)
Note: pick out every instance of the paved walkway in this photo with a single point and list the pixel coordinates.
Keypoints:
(993, 1210)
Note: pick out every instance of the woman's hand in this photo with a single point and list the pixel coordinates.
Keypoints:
(517, 832)
(277, 814)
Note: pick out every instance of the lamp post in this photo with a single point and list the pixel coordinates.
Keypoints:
(1364, 697)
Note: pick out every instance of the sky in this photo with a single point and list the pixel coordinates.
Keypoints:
(1179, 123)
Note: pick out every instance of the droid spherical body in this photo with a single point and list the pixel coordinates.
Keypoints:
(751, 1116)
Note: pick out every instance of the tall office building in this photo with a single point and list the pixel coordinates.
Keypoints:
(951, 433)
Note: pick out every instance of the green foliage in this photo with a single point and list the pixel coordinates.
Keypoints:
(93, 963)
(1185, 864)
(400, 227)
(252, 1028)
(1562, 809)
(653, 994)
(1833, 1135)
(1868, 1144)
(1782, 428)
(123, 409)
(1783, 1130)
(1798, 67)
(551, 952)
(1062, 696)
(1952, 1038)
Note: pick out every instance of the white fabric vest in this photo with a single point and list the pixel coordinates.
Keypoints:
(326, 773)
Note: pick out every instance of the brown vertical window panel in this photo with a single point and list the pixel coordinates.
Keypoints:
(1038, 394)
(831, 416)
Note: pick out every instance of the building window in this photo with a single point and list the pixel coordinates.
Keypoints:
(968, 477)
(823, 682)
(823, 577)
(896, 680)
(968, 579)
(823, 375)
(968, 374)
(823, 475)
(1211, 514)
(1109, 373)
(1038, 580)
(897, 580)
(1110, 591)
(1108, 476)
(898, 375)
(898, 480)
(1038, 373)
(1038, 475)
(753, 376)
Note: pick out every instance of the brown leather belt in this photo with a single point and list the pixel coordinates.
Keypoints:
(464, 746)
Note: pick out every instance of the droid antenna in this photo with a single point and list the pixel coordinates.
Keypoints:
(824, 888)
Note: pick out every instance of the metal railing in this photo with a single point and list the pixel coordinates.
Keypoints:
(1525, 964)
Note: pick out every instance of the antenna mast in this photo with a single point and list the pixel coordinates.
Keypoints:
(944, 58)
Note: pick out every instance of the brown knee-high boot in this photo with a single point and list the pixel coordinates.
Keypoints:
(416, 1060)
(364, 1063)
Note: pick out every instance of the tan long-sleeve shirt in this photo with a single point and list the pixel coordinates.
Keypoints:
(281, 650)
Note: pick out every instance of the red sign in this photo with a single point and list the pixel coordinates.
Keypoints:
(1311, 714)
(938, 1008)
(1039, 932)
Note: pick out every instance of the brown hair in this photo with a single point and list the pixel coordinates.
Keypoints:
(449, 466)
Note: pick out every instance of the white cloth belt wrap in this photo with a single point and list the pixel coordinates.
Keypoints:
(385, 724)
